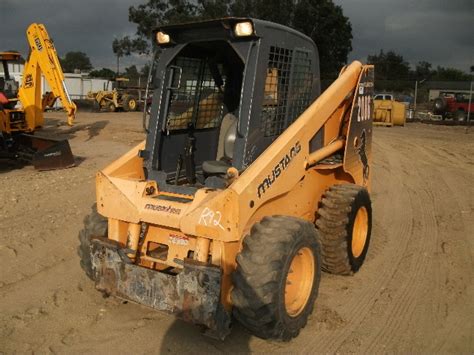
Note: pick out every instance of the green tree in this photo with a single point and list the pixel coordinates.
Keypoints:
(423, 71)
(75, 60)
(104, 73)
(326, 24)
(389, 66)
(154, 13)
(122, 47)
(131, 72)
(450, 74)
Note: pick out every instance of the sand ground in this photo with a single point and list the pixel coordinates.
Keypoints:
(414, 294)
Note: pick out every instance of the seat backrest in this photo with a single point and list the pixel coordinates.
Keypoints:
(223, 149)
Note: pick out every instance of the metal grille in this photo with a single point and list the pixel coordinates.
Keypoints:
(276, 91)
(196, 100)
(288, 89)
(301, 85)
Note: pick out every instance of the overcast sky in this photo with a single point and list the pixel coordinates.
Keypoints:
(438, 31)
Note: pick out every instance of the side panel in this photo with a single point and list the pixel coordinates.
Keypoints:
(358, 153)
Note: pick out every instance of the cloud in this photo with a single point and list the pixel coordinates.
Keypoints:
(87, 25)
(437, 31)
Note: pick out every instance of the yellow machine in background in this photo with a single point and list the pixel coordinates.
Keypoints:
(22, 108)
(117, 98)
(388, 112)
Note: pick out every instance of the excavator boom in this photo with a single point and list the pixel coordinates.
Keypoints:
(43, 59)
(18, 122)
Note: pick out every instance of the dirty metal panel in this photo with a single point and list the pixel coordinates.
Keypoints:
(358, 153)
(47, 153)
(192, 295)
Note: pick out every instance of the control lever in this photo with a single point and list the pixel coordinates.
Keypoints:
(179, 165)
(189, 155)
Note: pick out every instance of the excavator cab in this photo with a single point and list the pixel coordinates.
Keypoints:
(217, 104)
(8, 84)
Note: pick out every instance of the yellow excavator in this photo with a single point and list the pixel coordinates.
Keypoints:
(21, 107)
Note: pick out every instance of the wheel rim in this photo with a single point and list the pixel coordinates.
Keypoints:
(299, 281)
(359, 231)
(132, 104)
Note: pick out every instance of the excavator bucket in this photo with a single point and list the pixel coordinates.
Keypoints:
(45, 153)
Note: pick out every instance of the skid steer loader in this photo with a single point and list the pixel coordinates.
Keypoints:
(250, 182)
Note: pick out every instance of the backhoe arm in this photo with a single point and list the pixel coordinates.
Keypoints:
(43, 59)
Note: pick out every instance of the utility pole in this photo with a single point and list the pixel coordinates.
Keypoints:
(416, 96)
(469, 109)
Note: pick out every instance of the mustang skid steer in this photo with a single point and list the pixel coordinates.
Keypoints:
(18, 123)
(248, 184)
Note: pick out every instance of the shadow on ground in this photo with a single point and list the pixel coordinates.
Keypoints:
(181, 334)
(56, 128)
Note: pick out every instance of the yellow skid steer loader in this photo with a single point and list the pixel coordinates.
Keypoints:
(250, 182)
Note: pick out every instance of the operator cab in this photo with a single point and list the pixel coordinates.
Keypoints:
(8, 85)
(216, 105)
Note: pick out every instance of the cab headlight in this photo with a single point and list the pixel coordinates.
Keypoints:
(162, 38)
(243, 29)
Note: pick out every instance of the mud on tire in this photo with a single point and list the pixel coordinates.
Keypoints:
(264, 300)
(94, 226)
(344, 223)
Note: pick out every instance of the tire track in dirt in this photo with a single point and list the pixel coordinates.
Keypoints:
(400, 301)
(413, 264)
(372, 300)
(424, 283)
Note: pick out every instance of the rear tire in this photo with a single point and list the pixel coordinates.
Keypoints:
(94, 226)
(439, 106)
(129, 104)
(277, 277)
(344, 225)
(460, 116)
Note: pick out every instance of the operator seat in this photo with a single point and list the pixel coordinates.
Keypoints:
(225, 147)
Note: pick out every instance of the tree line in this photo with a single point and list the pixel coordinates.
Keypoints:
(322, 20)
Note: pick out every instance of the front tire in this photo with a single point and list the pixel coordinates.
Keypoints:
(277, 277)
(460, 116)
(344, 225)
(94, 226)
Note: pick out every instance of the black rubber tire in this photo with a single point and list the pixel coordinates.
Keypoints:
(439, 106)
(259, 281)
(94, 226)
(460, 116)
(335, 221)
(129, 104)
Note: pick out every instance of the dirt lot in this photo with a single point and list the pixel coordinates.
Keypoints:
(414, 294)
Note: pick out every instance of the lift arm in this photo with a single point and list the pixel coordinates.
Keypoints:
(290, 154)
(43, 59)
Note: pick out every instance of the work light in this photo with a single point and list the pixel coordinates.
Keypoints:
(243, 29)
(162, 38)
